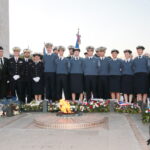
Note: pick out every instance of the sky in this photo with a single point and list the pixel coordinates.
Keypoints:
(119, 24)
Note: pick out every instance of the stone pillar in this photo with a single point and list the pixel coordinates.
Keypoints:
(4, 26)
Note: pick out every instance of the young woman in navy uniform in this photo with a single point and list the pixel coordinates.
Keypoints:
(76, 75)
(103, 74)
(141, 67)
(91, 65)
(115, 75)
(127, 76)
(37, 73)
(62, 71)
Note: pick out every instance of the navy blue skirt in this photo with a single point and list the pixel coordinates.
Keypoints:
(115, 83)
(141, 83)
(76, 83)
(127, 84)
(38, 87)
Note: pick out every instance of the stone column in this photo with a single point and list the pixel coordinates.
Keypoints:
(4, 26)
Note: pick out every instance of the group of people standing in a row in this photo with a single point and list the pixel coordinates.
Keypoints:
(98, 76)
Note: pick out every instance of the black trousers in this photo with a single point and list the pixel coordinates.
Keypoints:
(50, 85)
(90, 86)
(103, 87)
(3, 88)
(62, 84)
(16, 89)
(69, 87)
(27, 90)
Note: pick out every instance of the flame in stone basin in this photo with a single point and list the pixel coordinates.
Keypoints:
(64, 106)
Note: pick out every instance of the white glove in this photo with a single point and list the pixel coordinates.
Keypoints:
(16, 77)
(36, 79)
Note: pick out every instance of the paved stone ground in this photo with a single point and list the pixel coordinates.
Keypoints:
(120, 132)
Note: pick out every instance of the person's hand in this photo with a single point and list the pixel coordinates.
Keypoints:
(38, 79)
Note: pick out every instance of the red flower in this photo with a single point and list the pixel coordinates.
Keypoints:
(91, 107)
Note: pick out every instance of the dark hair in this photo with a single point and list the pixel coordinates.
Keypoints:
(140, 47)
(115, 50)
(76, 49)
(1, 47)
(128, 51)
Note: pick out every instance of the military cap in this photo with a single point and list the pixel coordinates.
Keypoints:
(36, 54)
(101, 49)
(48, 45)
(61, 48)
(127, 51)
(76, 49)
(140, 47)
(90, 48)
(27, 50)
(70, 47)
(16, 49)
(115, 50)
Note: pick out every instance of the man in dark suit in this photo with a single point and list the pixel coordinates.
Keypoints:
(27, 79)
(16, 69)
(3, 74)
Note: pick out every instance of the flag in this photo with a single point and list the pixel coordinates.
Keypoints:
(78, 41)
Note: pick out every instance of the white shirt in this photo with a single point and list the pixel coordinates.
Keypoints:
(102, 58)
(76, 58)
(127, 60)
(16, 58)
(140, 56)
(90, 57)
(61, 57)
(114, 59)
(2, 60)
(49, 54)
(26, 59)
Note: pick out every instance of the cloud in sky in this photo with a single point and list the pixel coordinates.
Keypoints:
(111, 23)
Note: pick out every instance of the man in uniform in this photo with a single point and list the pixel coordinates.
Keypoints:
(16, 69)
(27, 79)
(62, 70)
(91, 65)
(70, 48)
(49, 59)
(3, 74)
(103, 74)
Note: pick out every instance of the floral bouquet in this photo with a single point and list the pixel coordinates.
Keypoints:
(126, 108)
(78, 106)
(146, 115)
(32, 107)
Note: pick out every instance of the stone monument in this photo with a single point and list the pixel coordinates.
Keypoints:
(4, 26)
